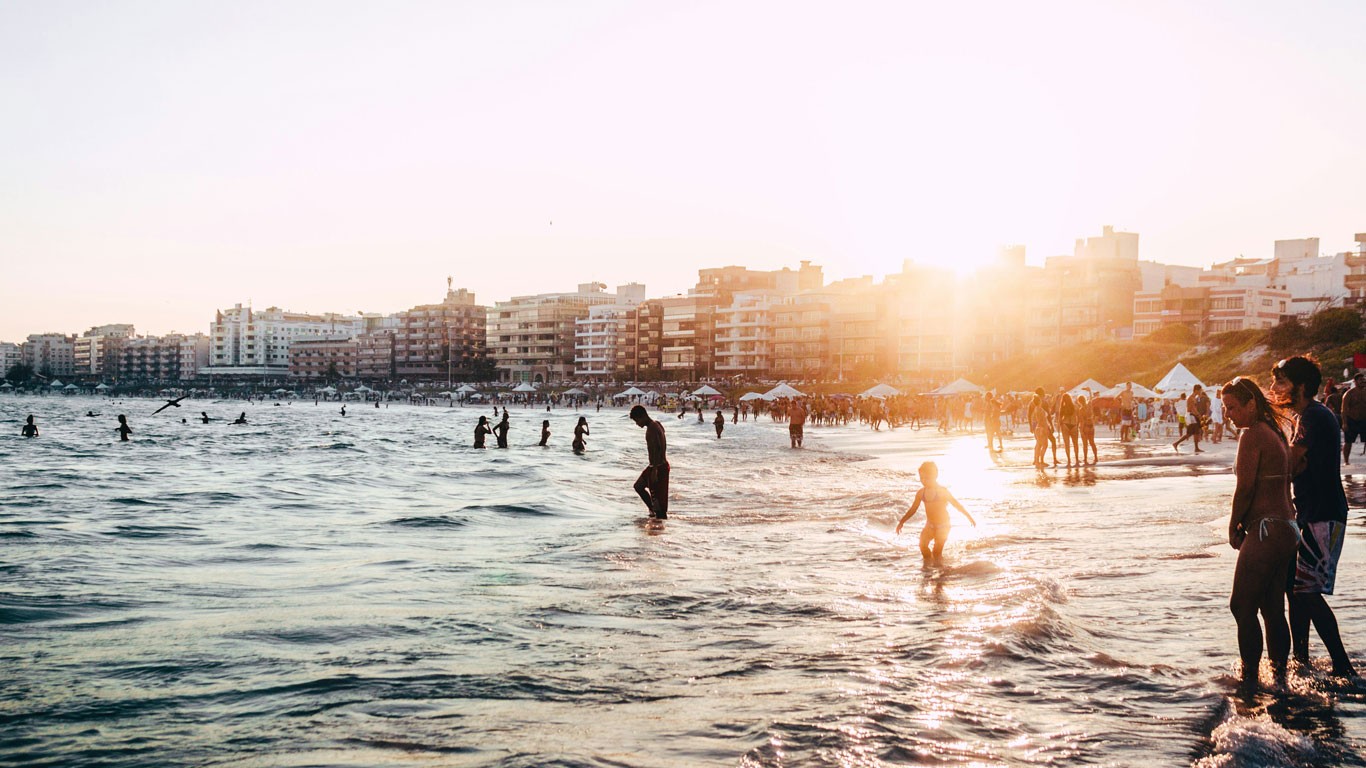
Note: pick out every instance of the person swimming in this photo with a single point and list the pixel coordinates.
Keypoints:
(937, 500)
(343, 410)
(545, 432)
(580, 432)
(123, 429)
(30, 429)
(204, 416)
(241, 419)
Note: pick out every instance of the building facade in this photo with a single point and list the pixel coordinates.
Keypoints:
(1209, 309)
(52, 355)
(315, 360)
(93, 350)
(531, 338)
(256, 343)
(443, 342)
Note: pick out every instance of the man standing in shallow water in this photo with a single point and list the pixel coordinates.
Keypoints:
(653, 483)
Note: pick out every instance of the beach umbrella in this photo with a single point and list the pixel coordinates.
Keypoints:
(782, 390)
(280, 392)
(6, 385)
(328, 390)
(101, 387)
(958, 387)
(574, 391)
(706, 390)
(751, 396)
(57, 383)
(465, 389)
(881, 390)
(632, 392)
(525, 386)
(363, 388)
(71, 387)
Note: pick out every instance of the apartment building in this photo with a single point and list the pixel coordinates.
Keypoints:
(314, 360)
(924, 304)
(256, 343)
(743, 340)
(1088, 296)
(1209, 309)
(375, 357)
(52, 355)
(92, 351)
(445, 341)
(531, 338)
(598, 338)
(155, 359)
(11, 354)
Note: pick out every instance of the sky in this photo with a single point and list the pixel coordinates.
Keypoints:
(161, 160)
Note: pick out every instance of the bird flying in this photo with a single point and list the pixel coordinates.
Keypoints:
(170, 403)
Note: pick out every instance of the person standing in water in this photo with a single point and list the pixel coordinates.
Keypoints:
(30, 429)
(500, 430)
(204, 416)
(545, 432)
(1320, 510)
(653, 483)
(796, 422)
(720, 423)
(580, 432)
(936, 499)
(1086, 421)
(1261, 527)
(123, 429)
(481, 430)
(343, 410)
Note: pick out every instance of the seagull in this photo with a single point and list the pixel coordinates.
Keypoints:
(169, 403)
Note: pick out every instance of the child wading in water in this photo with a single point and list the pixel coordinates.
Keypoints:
(937, 500)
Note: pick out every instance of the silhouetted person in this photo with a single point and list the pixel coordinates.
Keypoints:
(500, 430)
(241, 419)
(204, 416)
(123, 429)
(720, 423)
(170, 404)
(936, 499)
(30, 429)
(481, 430)
(343, 411)
(376, 403)
(653, 483)
(545, 431)
(580, 432)
(91, 413)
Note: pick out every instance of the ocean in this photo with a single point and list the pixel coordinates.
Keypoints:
(310, 589)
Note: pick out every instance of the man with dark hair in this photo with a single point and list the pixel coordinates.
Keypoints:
(1320, 510)
(653, 483)
(1197, 411)
(1353, 416)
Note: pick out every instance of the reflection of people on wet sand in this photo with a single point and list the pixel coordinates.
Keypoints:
(937, 500)
(545, 432)
(720, 423)
(1320, 510)
(580, 432)
(500, 430)
(653, 483)
(30, 429)
(241, 419)
(1261, 527)
(481, 430)
(123, 429)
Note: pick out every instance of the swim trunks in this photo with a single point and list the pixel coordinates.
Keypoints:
(656, 481)
(1316, 561)
(1352, 429)
(795, 430)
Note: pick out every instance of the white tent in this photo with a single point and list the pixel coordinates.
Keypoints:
(465, 389)
(881, 390)
(1139, 390)
(6, 385)
(57, 383)
(632, 392)
(782, 390)
(574, 391)
(525, 386)
(363, 388)
(101, 387)
(751, 396)
(958, 387)
(71, 387)
(1088, 388)
(328, 390)
(1178, 380)
(706, 390)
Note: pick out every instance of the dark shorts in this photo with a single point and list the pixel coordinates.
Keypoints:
(1316, 560)
(1193, 428)
(1352, 429)
(795, 430)
(655, 480)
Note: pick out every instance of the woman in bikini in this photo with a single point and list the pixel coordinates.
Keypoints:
(1261, 527)
(937, 500)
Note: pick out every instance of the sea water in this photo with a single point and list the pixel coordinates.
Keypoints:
(316, 589)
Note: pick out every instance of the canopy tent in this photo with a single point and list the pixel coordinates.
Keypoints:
(6, 385)
(363, 388)
(706, 390)
(782, 390)
(881, 390)
(958, 387)
(281, 391)
(525, 386)
(57, 383)
(632, 392)
(71, 386)
(465, 389)
(1179, 380)
(1139, 390)
(751, 396)
(574, 391)
(1088, 387)
(102, 387)
(328, 390)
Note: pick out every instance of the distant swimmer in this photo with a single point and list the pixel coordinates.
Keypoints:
(170, 404)
(653, 483)
(204, 416)
(343, 410)
(937, 500)
(376, 403)
(30, 429)
(481, 430)
(500, 430)
(241, 419)
(91, 413)
(580, 432)
(545, 432)
(123, 429)
(720, 423)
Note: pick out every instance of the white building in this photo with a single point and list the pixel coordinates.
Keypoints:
(532, 338)
(744, 333)
(598, 337)
(51, 354)
(94, 347)
(10, 355)
(256, 343)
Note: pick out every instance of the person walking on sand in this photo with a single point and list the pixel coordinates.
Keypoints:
(720, 423)
(1197, 411)
(123, 429)
(1126, 412)
(30, 429)
(936, 499)
(1320, 510)
(481, 431)
(653, 483)
(1261, 527)
(500, 430)
(580, 432)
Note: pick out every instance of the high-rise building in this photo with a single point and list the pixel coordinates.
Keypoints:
(155, 359)
(1209, 308)
(1088, 296)
(94, 348)
(52, 355)
(445, 341)
(743, 344)
(598, 337)
(313, 360)
(256, 343)
(375, 356)
(531, 338)
(925, 311)
(11, 354)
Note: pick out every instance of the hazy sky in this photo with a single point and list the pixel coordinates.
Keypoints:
(161, 160)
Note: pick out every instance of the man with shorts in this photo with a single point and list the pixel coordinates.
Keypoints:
(796, 420)
(1353, 416)
(1126, 412)
(1197, 411)
(653, 483)
(1320, 511)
